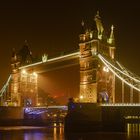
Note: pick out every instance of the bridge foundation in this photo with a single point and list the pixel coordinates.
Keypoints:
(96, 117)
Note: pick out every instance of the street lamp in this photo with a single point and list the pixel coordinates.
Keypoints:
(24, 71)
(81, 97)
(35, 74)
(105, 69)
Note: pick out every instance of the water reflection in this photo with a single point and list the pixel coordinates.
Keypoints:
(101, 136)
(133, 130)
(56, 132)
(132, 133)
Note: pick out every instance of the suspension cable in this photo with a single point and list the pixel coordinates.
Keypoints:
(5, 86)
(132, 78)
(107, 64)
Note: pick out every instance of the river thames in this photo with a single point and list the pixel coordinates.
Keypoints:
(56, 132)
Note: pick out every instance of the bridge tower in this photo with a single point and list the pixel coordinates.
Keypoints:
(97, 84)
(23, 82)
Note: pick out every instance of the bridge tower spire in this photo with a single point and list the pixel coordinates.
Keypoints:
(111, 42)
(111, 39)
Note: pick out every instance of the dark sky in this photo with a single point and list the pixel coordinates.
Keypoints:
(53, 26)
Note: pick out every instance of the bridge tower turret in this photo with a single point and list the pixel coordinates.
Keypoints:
(88, 67)
(111, 42)
(15, 79)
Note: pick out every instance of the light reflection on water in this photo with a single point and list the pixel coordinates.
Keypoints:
(133, 130)
(56, 132)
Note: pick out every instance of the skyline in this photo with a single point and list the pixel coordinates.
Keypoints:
(55, 27)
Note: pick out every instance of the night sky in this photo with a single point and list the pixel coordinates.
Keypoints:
(53, 27)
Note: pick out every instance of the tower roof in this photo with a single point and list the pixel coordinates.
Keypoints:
(13, 52)
(25, 53)
(82, 31)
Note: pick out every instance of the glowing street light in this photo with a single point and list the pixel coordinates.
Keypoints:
(24, 72)
(81, 97)
(105, 69)
(35, 74)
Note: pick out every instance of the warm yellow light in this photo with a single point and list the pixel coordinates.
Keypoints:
(81, 97)
(109, 41)
(91, 35)
(105, 69)
(35, 74)
(24, 72)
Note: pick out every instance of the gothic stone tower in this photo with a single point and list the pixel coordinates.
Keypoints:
(96, 85)
(24, 82)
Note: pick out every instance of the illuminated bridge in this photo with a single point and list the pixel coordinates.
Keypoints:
(98, 72)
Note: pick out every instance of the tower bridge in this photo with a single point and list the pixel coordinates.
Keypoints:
(98, 70)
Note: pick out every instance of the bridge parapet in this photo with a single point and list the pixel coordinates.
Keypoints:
(99, 117)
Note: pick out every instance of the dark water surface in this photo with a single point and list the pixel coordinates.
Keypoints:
(56, 132)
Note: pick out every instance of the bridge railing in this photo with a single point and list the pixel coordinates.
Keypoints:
(120, 104)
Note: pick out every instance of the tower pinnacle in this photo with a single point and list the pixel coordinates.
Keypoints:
(83, 27)
(14, 55)
(111, 39)
(82, 23)
(26, 42)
